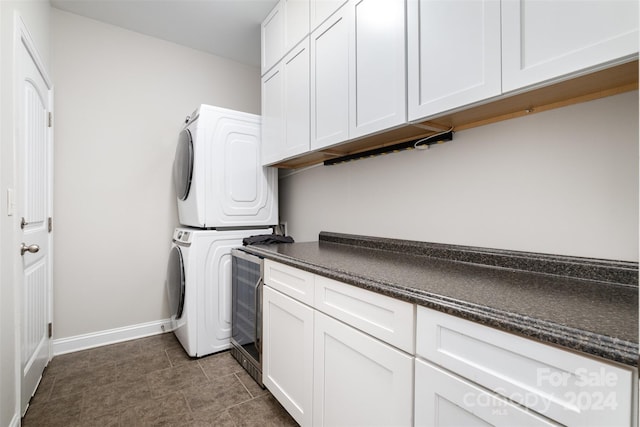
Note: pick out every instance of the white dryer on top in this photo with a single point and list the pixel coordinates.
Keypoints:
(218, 176)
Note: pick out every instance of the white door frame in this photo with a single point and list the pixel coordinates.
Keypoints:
(23, 39)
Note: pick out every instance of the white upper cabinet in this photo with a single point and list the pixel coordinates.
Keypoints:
(330, 81)
(544, 40)
(467, 51)
(272, 38)
(453, 54)
(377, 84)
(379, 64)
(285, 106)
(296, 14)
(283, 28)
(358, 72)
(296, 100)
(272, 116)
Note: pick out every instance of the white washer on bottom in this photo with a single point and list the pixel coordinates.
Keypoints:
(199, 287)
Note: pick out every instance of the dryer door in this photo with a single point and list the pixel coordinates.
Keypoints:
(175, 283)
(183, 165)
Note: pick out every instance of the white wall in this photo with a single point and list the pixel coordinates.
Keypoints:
(563, 182)
(35, 15)
(121, 99)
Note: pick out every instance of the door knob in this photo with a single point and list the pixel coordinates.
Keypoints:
(32, 249)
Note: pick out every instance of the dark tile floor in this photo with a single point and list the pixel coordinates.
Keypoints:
(150, 382)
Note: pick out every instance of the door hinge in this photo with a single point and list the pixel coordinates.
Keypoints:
(50, 326)
(50, 224)
(50, 119)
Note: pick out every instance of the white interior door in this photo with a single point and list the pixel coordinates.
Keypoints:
(34, 164)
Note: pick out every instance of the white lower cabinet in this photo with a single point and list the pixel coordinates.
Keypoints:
(328, 372)
(287, 331)
(358, 380)
(444, 399)
(563, 386)
(332, 357)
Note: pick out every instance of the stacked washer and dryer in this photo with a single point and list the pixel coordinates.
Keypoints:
(224, 194)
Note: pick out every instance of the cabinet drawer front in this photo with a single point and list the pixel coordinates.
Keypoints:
(386, 318)
(443, 399)
(564, 386)
(296, 283)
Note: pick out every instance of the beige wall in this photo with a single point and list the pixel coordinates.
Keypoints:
(562, 182)
(35, 15)
(121, 99)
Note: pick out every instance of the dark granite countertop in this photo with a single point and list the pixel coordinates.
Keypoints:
(583, 304)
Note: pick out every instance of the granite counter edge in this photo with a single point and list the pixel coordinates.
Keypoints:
(582, 341)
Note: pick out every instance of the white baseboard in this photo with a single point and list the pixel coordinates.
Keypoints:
(111, 336)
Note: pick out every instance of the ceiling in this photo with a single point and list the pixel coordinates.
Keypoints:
(227, 28)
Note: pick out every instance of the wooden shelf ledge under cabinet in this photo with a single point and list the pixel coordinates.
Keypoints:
(610, 81)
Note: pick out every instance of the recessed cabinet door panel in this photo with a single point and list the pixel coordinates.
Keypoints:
(358, 380)
(272, 38)
(322, 9)
(272, 116)
(377, 81)
(288, 353)
(296, 100)
(330, 81)
(543, 40)
(464, 67)
(296, 14)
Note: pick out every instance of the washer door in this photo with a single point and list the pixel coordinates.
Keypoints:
(183, 165)
(175, 283)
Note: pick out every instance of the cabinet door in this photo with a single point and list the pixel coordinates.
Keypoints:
(272, 38)
(287, 369)
(272, 116)
(377, 66)
(573, 389)
(296, 101)
(358, 380)
(330, 81)
(296, 13)
(443, 399)
(464, 67)
(544, 40)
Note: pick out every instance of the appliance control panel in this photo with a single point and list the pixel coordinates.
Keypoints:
(182, 236)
